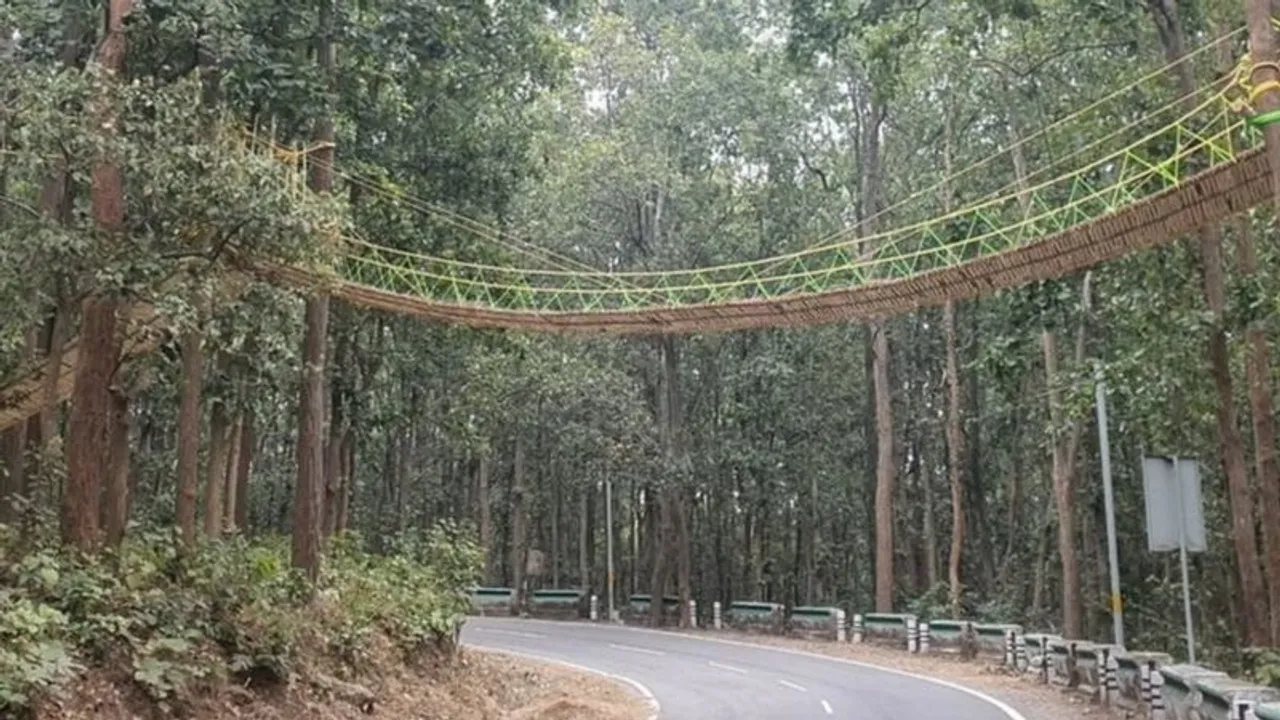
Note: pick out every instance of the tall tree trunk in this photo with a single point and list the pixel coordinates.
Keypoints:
(1231, 446)
(955, 407)
(519, 522)
(885, 471)
(309, 484)
(216, 478)
(189, 429)
(116, 506)
(1258, 369)
(485, 516)
(232, 475)
(584, 538)
(1065, 451)
(872, 182)
(244, 467)
(89, 428)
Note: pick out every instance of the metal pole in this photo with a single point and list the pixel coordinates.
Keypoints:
(1109, 501)
(608, 522)
(1182, 558)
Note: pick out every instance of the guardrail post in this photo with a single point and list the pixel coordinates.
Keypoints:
(1113, 678)
(924, 638)
(1104, 660)
(913, 635)
(1242, 709)
(1044, 663)
(1008, 648)
(1144, 683)
(693, 613)
(857, 628)
(595, 608)
(840, 627)
(715, 615)
(1019, 652)
(1157, 697)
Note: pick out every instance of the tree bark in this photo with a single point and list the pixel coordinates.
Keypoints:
(955, 410)
(116, 507)
(189, 428)
(1065, 451)
(1258, 371)
(484, 515)
(519, 529)
(244, 467)
(309, 484)
(885, 471)
(232, 475)
(216, 476)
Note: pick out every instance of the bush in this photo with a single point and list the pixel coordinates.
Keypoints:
(184, 622)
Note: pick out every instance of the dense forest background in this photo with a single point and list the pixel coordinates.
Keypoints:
(945, 461)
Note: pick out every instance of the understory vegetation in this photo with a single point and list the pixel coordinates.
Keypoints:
(183, 624)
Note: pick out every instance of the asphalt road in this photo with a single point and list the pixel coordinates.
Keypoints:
(699, 679)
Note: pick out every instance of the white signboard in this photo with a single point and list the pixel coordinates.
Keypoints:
(1175, 516)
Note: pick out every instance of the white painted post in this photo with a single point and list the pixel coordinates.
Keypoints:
(924, 638)
(840, 630)
(1242, 709)
(913, 635)
(857, 628)
(1144, 683)
(595, 608)
(715, 615)
(1019, 652)
(1008, 648)
(693, 614)
(1157, 697)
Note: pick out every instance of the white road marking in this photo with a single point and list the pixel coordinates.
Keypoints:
(827, 706)
(730, 668)
(793, 686)
(631, 648)
(516, 633)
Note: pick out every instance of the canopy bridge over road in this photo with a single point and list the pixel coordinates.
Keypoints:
(1127, 177)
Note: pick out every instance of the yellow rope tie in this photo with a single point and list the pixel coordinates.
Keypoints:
(1242, 94)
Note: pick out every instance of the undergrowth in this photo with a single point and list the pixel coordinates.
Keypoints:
(185, 622)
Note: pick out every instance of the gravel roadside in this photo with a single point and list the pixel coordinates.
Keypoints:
(1034, 701)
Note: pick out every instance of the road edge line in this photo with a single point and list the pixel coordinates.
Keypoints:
(645, 693)
(1002, 706)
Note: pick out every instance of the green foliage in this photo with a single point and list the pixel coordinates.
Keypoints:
(185, 621)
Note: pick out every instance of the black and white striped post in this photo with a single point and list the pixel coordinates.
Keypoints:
(1107, 678)
(1019, 652)
(1144, 682)
(1242, 709)
(693, 614)
(913, 634)
(857, 628)
(1008, 648)
(840, 625)
(924, 638)
(715, 615)
(595, 608)
(1157, 697)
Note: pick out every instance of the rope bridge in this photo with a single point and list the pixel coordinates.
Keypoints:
(1153, 175)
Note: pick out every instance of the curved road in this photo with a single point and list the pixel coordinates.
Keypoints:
(701, 679)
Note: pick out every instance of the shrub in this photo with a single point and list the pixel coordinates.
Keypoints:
(185, 621)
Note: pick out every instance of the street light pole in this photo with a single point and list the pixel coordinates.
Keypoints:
(1109, 502)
